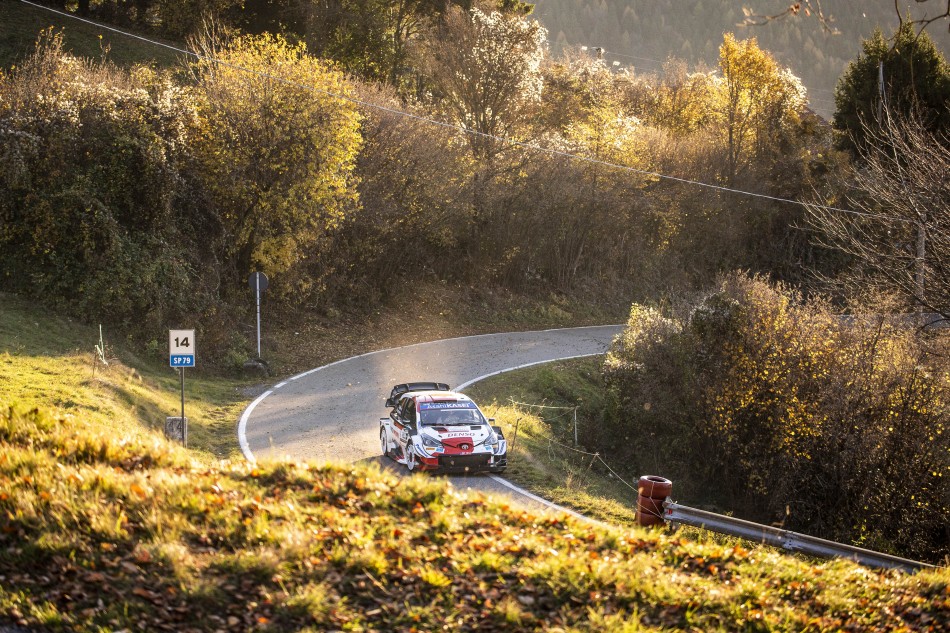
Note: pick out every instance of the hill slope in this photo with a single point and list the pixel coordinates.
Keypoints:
(104, 525)
(22, 22)
(644, 34)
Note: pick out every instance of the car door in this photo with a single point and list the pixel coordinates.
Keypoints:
(409, 419)
(402, 419)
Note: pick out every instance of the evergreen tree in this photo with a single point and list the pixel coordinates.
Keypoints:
(916, 80)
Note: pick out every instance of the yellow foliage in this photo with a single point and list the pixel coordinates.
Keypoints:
(609, 134)
(756, 97)
(280, 147)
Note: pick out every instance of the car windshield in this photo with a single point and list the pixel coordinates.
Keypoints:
(449, 413)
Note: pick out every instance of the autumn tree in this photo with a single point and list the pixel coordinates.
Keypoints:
(279, 149)
(681, 101)
(916, 80)
(409, 185)
(485, 73)
(757, 98)
(574, 84)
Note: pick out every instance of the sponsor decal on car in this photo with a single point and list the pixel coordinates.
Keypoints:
(426, 406)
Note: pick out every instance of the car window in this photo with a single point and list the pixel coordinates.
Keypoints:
(450, 414)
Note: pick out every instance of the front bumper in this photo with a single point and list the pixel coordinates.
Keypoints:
(470, 463)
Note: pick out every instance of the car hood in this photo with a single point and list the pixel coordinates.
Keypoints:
(460, 434)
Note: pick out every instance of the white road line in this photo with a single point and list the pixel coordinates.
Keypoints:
(542, 501)
(538, 362)
(242, 426)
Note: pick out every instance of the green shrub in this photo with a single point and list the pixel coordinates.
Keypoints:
(97, 211)
(102, 214)
(776, 407)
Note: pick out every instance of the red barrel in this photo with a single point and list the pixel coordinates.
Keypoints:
(653, 491)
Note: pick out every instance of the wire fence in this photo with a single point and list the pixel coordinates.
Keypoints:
(595, 456)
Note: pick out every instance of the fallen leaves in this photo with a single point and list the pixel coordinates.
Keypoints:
(141, 555)
(149, 595)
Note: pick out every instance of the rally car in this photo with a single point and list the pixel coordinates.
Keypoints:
(431, 427)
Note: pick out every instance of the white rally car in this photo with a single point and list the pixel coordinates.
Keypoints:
(433, 428)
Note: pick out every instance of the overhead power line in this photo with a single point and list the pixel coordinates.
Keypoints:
(453, 126)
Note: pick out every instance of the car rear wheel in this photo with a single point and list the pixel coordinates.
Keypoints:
(410, 458)
(384, 444)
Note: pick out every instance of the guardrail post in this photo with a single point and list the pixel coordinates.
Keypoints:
(652, 491)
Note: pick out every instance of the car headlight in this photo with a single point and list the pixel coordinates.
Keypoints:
(431, 442)
(492, 441)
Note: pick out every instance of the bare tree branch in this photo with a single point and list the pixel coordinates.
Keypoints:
(826, 20)
(808, 7)
(902, 243)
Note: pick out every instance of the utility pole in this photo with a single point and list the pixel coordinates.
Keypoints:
(921, 254)
(919, 277)
(880, 90)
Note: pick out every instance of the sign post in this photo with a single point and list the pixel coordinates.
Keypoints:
(181, 354)
(258, 283)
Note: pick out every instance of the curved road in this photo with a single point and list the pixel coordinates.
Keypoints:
(331, 413)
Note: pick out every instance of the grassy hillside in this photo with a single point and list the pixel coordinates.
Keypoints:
(106, 532)
(105, 526)
(47, 361)
(22, 22)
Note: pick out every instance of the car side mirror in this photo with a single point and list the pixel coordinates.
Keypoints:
(491, 420)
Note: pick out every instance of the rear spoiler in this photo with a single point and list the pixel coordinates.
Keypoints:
(398, 390)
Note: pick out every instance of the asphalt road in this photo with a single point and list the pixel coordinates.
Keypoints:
(332, 413)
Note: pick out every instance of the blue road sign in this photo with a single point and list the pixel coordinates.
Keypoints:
(181, 360)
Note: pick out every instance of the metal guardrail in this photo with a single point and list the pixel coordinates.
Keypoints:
(785, 539)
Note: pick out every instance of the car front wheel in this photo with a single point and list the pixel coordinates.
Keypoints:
(410, 458)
